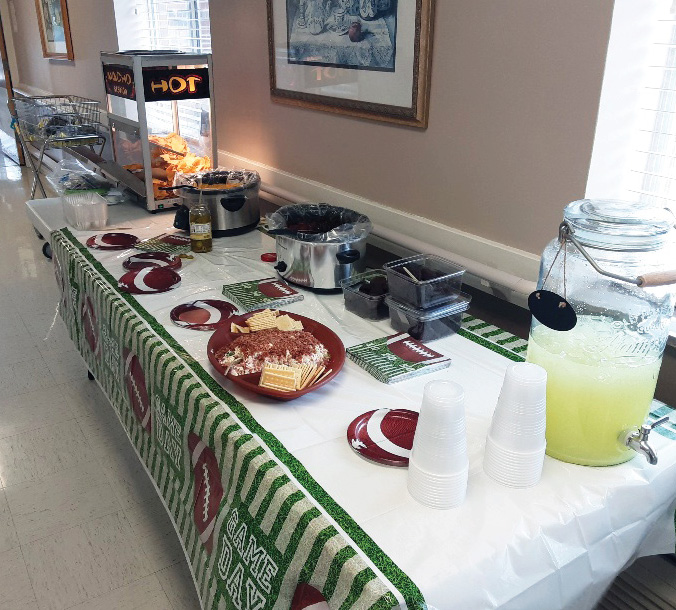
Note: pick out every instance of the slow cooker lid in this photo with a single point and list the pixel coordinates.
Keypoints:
(320, 223)
(218, 182)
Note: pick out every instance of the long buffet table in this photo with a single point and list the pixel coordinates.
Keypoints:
(265, 495)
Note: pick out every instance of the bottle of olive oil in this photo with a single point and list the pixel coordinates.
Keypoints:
(200, 227)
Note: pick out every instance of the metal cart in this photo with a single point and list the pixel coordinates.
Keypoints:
(64, 121)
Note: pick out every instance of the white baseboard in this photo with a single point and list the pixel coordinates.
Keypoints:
(29, 90)
(492, 262)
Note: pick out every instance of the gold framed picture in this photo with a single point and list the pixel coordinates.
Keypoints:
(365, 58)
(54, 29)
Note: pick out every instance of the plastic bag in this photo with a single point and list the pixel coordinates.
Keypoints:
(69, 176)
(320, 222)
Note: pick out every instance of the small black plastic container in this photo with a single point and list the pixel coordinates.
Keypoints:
(429, 324)
(437, 280)
(364, 304)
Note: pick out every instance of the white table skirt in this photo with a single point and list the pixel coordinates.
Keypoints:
(557, 545)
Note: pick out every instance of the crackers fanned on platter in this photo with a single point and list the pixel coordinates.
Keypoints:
(276, 353)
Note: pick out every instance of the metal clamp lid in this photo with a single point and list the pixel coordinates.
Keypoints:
(656, 278)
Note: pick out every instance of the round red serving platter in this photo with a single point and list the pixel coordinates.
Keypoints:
(384, 436)
(112, 241)
(222, 337)
(149, 280)
(207, 314)
(152, 259)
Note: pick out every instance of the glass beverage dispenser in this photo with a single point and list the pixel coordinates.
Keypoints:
(611, 266)
(161, 111)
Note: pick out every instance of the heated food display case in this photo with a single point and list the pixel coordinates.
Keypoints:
(160, 111)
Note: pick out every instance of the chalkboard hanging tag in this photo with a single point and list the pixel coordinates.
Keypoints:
(550, 308)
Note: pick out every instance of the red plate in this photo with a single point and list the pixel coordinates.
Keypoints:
(223, 338)
(202, 315)
(149, 280)
(152, 259)
(112, 241)
(384, 436)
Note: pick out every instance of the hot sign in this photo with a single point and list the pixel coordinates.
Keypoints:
(161, 85)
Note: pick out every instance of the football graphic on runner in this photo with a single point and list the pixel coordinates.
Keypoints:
(208, 489)
(307, 597)
(276, 290)
(410, 350)
(135, 381)
(90, 324)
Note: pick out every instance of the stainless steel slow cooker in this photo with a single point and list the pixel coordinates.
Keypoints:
(318, 245)
(232, 197)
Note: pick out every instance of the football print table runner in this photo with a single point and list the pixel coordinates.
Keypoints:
(265, 495)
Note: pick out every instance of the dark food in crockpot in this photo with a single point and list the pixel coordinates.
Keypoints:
(313, 227)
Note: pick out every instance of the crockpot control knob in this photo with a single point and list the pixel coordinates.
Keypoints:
(281, 266)
(348, 256)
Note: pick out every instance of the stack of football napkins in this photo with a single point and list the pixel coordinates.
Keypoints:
(396, 358)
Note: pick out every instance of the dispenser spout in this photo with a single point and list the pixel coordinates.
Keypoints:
(638, 440)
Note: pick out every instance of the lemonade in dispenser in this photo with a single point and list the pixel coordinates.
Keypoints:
(601, 317)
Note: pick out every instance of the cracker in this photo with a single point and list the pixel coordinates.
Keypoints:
(324, 375)
(279, 377)
(262, 320)
(316, 376)
(236, 328)
(286, 322)
(262, 325)
(307, 371)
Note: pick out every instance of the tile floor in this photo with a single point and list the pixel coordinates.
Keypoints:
(80, 523)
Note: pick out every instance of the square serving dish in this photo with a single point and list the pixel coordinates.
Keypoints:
(85, 210)
(437, 280)
(368, 306)
(429, 324)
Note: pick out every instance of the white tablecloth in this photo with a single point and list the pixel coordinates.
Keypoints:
(557, 545)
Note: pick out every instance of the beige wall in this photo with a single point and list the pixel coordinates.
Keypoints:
(92, 25)
(515, 91)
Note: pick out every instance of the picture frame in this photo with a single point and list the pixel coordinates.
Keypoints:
(370, 59)
(54, 29)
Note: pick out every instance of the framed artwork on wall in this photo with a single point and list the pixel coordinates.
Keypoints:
(366, 58)
(54, 29)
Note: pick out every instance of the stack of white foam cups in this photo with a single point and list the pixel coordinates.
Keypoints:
(515, 446)
(439, 466)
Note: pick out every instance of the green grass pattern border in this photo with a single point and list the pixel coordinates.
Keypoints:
(409, 591)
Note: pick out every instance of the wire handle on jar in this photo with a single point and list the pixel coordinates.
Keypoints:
(647, 280)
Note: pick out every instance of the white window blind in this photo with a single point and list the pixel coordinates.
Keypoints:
(652, 165)
(181, 25)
